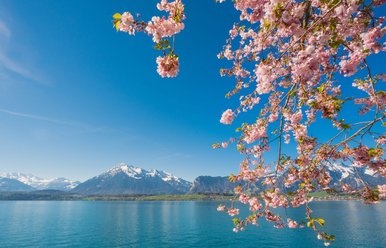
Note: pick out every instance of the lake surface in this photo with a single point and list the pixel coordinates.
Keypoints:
(176, 224)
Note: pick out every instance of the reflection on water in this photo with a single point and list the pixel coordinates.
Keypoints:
(176, 224)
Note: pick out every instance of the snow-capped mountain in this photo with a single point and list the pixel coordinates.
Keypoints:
(353, 176)
(350, 175)
(176, 182)
(38, 183)
(128, 179)
(7, 184)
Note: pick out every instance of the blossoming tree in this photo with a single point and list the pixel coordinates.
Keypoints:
(288, 58)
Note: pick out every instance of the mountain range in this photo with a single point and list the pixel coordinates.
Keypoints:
(126, 179)
(355, 177)
(31, 182)
(351, 176)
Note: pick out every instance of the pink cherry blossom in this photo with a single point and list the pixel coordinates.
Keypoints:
(292, 223)
(254, 204)
(382, 191)
(227, 117)
(127, 22)
(161, 27)
(243, 198)
(255, 132)
(233, 211)
(221, 208)
(168, 66)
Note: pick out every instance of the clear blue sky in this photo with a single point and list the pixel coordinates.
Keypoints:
(77, 98)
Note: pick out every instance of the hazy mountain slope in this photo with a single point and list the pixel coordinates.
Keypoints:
(7, 184)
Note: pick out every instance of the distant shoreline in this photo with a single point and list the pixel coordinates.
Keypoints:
(65, 196)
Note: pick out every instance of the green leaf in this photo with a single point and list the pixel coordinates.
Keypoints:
(232, 178)
(371, 152)
(216, 146)
(116, 24)
(329, 237)
(266, 24)
(336, 43)
(236, 221)
(117, 16)
(345, 126)
(240, 147)
(321, 88)
(320, 221)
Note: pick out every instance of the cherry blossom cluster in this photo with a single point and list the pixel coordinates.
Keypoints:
(287, 59)
(162, 29)
(168, 65)
(292, 54)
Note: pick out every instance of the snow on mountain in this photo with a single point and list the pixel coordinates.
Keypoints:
(128, 179)
(131, 171)
(343, 170)
(178, 183)
(139, 173)
(39, 183)
(353, 176)
(8, 184)
(370, 172)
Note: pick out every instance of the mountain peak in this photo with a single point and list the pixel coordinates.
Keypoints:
(139, 173)
(129, 179)
(129, 170)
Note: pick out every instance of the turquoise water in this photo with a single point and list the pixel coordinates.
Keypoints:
(175, 224)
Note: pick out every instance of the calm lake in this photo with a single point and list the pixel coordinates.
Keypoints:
(176, 224)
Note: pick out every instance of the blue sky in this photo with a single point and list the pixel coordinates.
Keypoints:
(77, 98)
